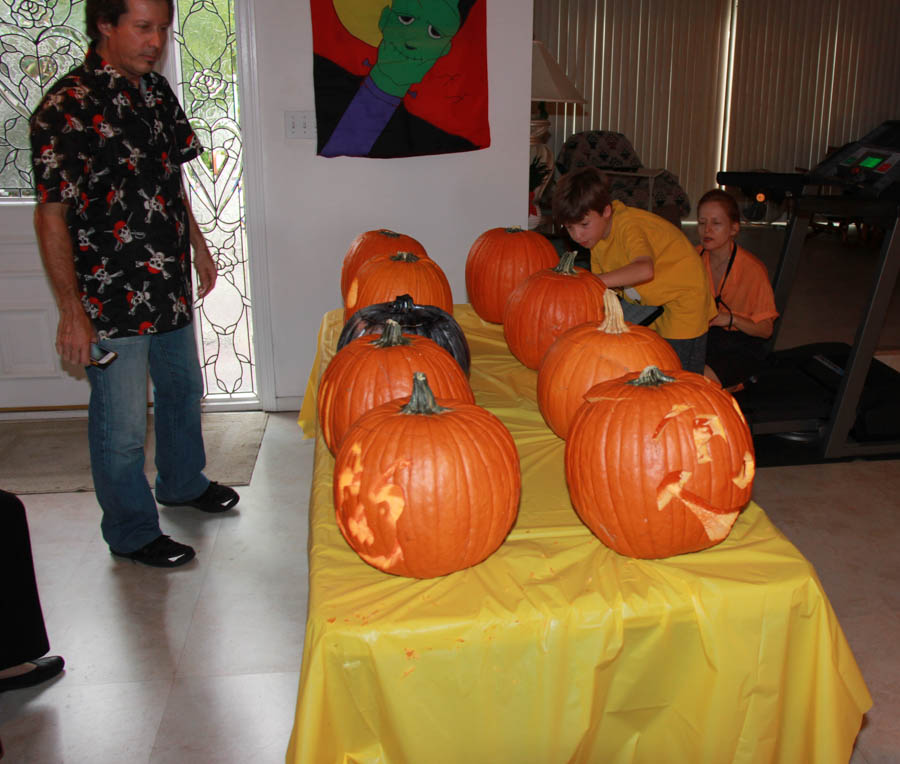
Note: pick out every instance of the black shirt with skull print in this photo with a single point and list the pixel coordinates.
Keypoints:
(112, 152)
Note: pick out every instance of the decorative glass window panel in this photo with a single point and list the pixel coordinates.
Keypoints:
(40, 40)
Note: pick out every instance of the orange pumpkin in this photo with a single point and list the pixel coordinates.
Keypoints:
(383, 277)
(547, 303)
(372, 370)
(371, 244)
(594, 352)
(498, 261)
(424, 488)
(659, 464)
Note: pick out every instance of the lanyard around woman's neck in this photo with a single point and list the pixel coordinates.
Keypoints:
(727, 271)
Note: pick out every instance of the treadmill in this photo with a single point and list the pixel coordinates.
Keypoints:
(831, 401)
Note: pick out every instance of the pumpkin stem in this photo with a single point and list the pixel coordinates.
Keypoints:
(566, 263)
(422, 399)
(651, 376)
(406, 257)
(392, 336)
(614, 319)
(403, 302)
(513, 229)
(389, 233)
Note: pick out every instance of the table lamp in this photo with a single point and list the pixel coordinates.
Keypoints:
(549, 84)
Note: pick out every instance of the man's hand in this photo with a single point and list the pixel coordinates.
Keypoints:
(203, 262)
(74, 335)
(206, 270)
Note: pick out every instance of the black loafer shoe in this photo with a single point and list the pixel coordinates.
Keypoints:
(216, 498)
(44, 669)
(162, 552)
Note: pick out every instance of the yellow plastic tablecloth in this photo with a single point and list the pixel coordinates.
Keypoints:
(557, 649)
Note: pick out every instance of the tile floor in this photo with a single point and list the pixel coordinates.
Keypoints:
(201, 664)
(196, 664)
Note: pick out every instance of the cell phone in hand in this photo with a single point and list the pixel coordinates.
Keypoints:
(102, 358)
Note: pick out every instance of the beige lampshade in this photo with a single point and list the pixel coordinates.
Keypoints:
(548, 80)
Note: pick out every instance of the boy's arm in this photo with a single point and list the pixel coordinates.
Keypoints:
(638, 271)
(75, 332)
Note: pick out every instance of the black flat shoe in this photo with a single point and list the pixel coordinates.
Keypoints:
(216, 498)
(162, 552)
(44, 669)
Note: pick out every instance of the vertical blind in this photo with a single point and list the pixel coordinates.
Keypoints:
(809, 74)
(806, 75)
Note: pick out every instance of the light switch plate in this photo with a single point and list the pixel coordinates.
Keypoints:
(300, 124)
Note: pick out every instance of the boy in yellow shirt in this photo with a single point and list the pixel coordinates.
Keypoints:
(643, 254)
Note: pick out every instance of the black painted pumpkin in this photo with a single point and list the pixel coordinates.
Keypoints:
(425, 320)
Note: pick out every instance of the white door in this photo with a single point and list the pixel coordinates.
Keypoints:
(31, 373)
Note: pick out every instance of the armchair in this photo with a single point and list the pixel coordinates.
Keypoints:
(630, 182)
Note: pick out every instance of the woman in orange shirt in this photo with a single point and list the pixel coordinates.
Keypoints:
(743, 293)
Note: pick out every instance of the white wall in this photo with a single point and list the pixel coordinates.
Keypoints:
(314, 207)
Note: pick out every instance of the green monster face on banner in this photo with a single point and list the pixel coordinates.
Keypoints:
(415, 34)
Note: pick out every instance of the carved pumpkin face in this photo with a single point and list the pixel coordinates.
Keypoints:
(659, 465)
(423, 488)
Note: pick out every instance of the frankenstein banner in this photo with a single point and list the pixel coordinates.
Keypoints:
(397, 78)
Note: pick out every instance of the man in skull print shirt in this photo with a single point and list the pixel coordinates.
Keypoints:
(116, 231)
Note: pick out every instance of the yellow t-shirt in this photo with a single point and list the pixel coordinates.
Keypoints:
(679, 281)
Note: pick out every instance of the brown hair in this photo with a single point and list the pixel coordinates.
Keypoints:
(577, 193)
(725, 199)
(97, 11)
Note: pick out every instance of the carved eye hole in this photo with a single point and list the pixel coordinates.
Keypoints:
(705, 428)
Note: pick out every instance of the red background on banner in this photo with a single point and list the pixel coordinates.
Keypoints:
(452, 96)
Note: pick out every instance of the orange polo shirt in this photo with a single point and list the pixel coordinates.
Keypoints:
(747, 291)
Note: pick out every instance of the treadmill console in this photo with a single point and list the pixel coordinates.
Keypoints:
(867, 167)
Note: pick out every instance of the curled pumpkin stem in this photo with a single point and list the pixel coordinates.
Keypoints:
(514, 229)
(651, 376)
(389, 233)
(392, 336)
(422, 399)
(567, 264)
(613, 319)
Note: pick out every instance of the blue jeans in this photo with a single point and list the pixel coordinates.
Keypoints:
(117, 429)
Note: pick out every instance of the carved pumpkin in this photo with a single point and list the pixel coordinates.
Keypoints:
(659, 464)
(498, 261)
(425, 320)
(423, 488)
(384, 277)
(595, 352)
(372, 370)
(371, 244)
(547, 303)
